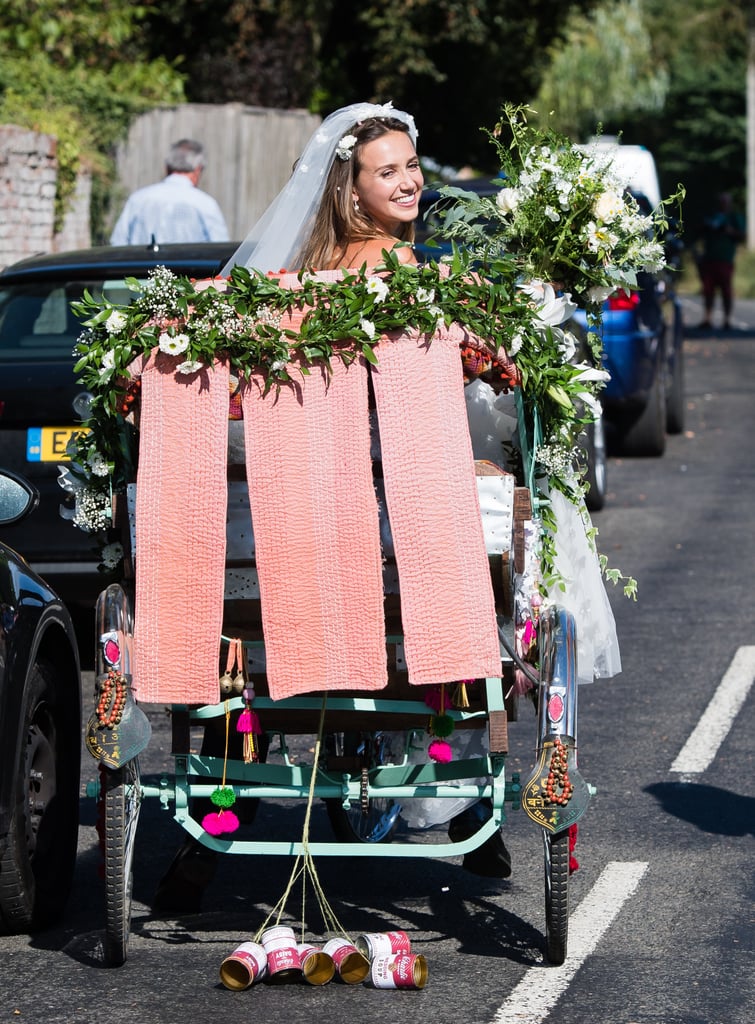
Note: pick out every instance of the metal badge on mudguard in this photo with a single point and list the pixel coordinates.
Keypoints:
(114, 745)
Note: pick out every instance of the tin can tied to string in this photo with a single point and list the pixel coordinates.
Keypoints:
(283, 961)
(351, 965)
(245, 965)
(317, 965)
(398, 970)
(374, 944)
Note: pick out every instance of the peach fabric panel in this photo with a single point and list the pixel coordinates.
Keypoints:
(180, 524)
(447, 606)
(316, 531)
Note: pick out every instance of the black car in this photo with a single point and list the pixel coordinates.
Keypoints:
(40, 734)
(41, 403)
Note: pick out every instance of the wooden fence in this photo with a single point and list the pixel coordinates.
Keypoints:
(250, 153)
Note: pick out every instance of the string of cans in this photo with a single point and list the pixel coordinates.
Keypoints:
(376, 959)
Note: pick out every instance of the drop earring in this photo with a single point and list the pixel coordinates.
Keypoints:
(356, 206)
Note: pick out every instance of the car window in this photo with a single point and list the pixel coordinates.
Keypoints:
(36, 319)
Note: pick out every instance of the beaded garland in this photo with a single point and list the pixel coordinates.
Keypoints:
(112, 699)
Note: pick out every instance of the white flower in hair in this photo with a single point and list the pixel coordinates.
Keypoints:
(345, 147)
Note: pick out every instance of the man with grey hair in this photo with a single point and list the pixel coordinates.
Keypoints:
(174, 209)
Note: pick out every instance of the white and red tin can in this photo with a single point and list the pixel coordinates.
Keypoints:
(245, 965)
(351, 965)
(282, 954)
(398, 970)
(374, 944)
(316, 964)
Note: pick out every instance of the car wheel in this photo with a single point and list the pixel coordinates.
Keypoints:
(592, 456)
(36, 868)
(675, 396)
(647, 435)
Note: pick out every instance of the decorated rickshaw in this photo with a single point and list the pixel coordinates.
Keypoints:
(347, 504)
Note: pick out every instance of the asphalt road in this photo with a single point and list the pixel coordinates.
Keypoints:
(662, 918)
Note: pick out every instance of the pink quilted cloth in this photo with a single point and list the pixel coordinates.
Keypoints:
(315, 523)
(181, 502)
(447, 605)
(316, 532)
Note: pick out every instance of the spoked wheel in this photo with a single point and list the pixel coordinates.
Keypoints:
(375, 822)
(371, 819)
(556, 895)
(123, 795)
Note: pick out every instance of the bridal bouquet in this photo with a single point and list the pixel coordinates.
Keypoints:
(563, 215)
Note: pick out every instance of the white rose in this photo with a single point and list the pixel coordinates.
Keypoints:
(507, 200)
(608, 206)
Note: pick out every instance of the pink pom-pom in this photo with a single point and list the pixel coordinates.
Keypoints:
(432, 698)
(218, 822)
(440, 751)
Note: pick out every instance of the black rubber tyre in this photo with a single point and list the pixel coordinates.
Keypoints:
(647, 435)
(556, 895)
(122, 796)
(675, 400)
(593, 454)
(38, 859)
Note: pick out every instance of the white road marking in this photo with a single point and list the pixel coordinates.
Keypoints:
(713, 727)
(539, 990)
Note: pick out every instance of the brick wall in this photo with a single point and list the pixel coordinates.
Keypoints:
(28, 174)
(28, 179)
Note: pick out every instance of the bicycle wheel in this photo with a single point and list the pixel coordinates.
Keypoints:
(373, 819)
(556, 895)
(374, 823)
(123, 796)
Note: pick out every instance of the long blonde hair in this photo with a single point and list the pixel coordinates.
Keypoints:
(337, 222)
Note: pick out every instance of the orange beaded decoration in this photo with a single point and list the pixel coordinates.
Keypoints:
(112, 699)
(558, 786)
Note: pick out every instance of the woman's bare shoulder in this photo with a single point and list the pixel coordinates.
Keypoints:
(371, 252)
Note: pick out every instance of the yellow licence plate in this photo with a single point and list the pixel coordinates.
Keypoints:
(48, 444)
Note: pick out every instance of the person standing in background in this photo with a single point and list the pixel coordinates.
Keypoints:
(174, 209)
(722, 232)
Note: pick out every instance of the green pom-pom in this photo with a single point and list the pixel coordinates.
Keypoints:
(223, 797)
(441, 725)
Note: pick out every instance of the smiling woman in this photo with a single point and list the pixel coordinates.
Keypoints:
(371, 198)
(324, 206)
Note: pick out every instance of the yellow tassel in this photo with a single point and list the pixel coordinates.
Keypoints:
(461, 698)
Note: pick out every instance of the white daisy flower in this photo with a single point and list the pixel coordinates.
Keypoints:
(115, 322)
(377, 287)
(173, 344)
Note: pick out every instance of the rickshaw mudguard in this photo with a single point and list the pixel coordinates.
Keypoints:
(555, 795)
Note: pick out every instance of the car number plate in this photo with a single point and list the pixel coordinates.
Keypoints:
(49, 444)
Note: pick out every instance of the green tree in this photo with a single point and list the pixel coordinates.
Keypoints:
(604, 69)
(676, 86)
(79, 72)
(451, 63)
